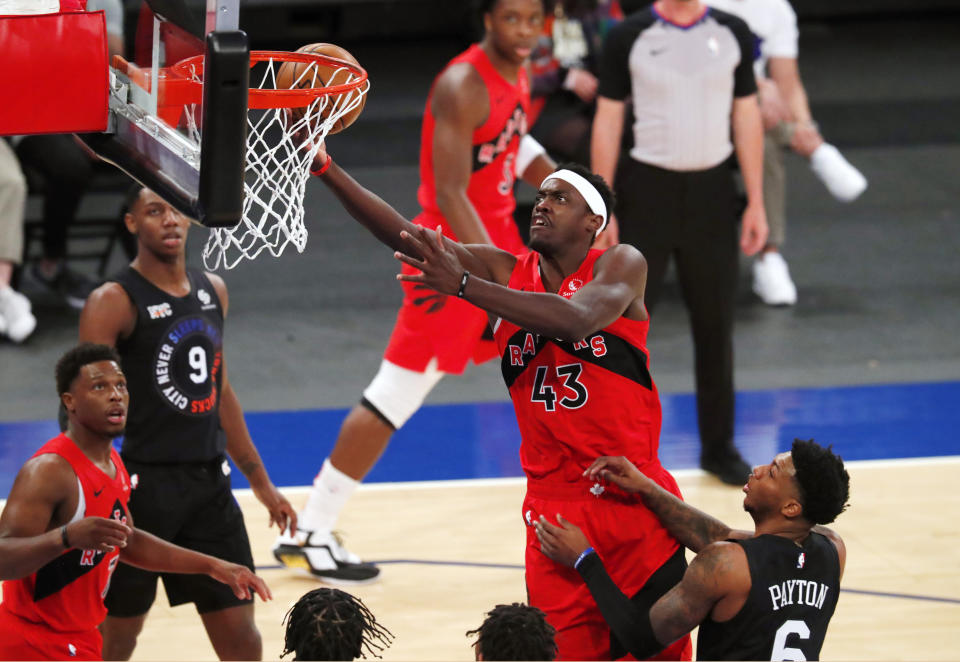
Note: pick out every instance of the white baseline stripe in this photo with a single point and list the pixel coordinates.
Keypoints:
(679, 473)
(507, 482)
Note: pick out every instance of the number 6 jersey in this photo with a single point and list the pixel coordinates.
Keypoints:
(173, 361)
(576, 401)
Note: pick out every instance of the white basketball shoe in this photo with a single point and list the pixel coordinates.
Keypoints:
(322, 555)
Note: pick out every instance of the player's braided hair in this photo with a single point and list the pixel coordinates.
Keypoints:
(515, 632)
(70, 364)
(823, 481)
(330, 624)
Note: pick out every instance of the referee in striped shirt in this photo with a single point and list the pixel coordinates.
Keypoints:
(688, 71)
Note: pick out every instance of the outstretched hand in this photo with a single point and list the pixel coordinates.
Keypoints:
(617, 470)
(564, 544)
(241, 580)
(281, 511)
(440, 268)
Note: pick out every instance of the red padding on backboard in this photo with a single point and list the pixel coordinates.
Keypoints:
(53, 73)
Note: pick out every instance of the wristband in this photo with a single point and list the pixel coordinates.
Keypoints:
(463, 283)
(587, 552)
(63, 537)
(323, 168)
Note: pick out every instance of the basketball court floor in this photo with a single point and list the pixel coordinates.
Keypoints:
(869, 360)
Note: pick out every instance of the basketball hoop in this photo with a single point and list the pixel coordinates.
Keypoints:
(281, 145)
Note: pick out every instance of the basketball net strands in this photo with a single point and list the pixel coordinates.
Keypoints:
(192, 129)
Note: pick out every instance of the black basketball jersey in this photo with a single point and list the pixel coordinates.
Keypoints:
(792, 598)
(173, 361)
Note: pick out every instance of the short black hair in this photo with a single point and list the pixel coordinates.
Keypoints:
(515, 632)
(823, 481)
(70, 364)
(330, 624)
(482, 7)
(130, 198)
(599, 183)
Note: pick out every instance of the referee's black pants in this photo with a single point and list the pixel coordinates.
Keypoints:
(691, 217)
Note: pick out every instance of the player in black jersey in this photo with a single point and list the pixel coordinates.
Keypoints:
(166, 321)
(762, 595)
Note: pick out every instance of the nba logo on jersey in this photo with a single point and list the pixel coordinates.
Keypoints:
(801, 559)
(72, 649)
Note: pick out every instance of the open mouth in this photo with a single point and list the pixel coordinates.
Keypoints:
(117, 415)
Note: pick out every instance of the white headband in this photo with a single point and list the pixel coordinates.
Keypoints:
(589, 192)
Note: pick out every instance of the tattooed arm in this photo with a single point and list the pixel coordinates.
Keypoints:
(718, 581)
(693, 528)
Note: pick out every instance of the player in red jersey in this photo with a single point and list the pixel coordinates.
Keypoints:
(571, 326)
(473, 147)
(66, 525)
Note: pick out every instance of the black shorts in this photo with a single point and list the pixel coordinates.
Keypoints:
(190, 505)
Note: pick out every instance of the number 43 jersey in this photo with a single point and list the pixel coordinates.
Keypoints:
(173, 361)
(576, 401)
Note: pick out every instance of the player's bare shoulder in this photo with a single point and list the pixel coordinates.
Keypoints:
(220, 286)
(46, 479)
(108, 314)
(722, 560)
(459, 90)
(837, 541)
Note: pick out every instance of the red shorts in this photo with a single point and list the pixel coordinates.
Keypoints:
(630, 540)
(23, 640)
(431, 325)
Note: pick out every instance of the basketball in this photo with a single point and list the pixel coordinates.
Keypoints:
(298, 75)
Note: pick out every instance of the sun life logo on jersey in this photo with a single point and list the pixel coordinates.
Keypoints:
(159, 311)
(573, 285)
(801, 559)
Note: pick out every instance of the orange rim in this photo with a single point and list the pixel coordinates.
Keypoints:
(191, 68)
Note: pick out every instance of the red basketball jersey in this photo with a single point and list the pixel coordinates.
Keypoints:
(576, 401)
(495, 143)
(67, 594)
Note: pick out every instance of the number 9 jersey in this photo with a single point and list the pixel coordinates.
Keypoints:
(173, 361)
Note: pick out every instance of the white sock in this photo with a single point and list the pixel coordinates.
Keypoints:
(331, 489)
(844, 181)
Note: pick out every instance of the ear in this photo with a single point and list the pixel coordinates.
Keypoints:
(791, 509)
(487, 23)
(129, 222)
(596, 221)
(67, 400)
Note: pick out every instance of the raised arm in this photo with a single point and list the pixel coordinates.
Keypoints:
(693, 528)
(619, 278)
(386, 223)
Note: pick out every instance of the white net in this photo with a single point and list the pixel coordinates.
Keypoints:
(281, 145)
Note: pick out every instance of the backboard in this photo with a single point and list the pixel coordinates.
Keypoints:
(185, 141)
